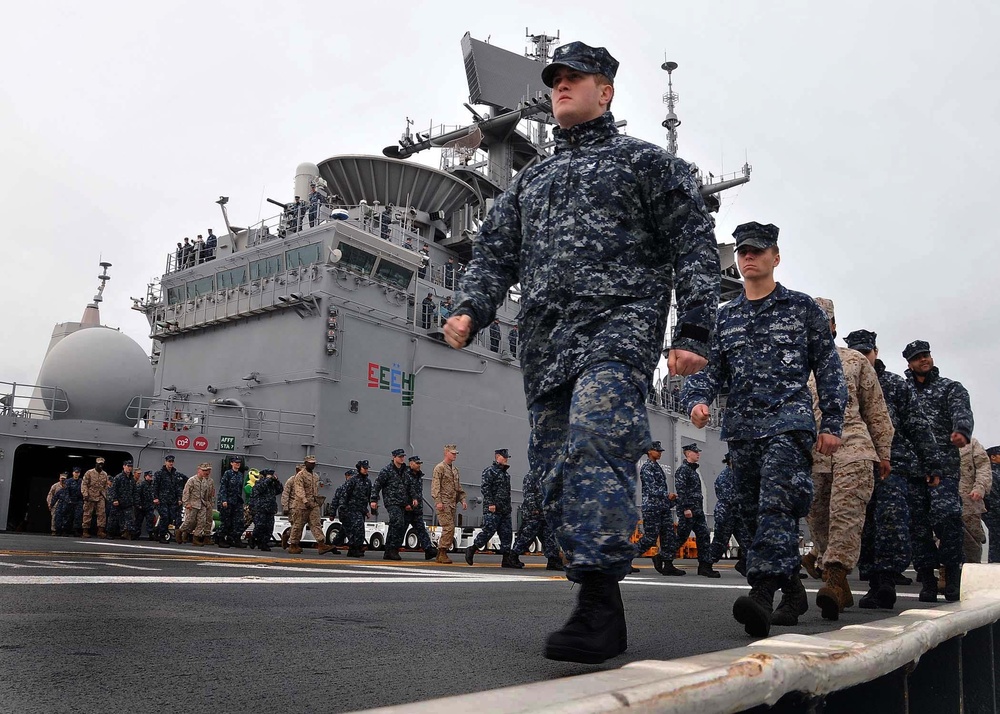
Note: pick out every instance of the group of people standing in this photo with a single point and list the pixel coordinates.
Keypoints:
(200, 250)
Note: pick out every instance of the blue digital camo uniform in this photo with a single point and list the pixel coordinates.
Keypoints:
(231, 492)
(533, 523)
(264, 508)
(496, 492)
(764, 355)
(356, 503)
(597, 235)
(121, 517)
(144, 508)
(992, 516)
(69, 511)
(657, 519)
(336, 506)
(165, 489)
(690, 498)
(938, 510)
(727, 516)
(391, 484)
(415, 516)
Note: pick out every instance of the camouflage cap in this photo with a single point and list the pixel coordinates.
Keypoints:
(416, 459)
(993, 451)
(827, 305)
(691, 447)
(168, 457)
(655, 446)
(204, 466)
(77, 469)
(361, 464)
(265, 472)
(453, 448)
(350, 472)
(148, 473)
(756, 235)
(100, 460)
(861, 340)
(502, 452)
(583, 58)
(127, 462)
(398, 452)
(236, 458)
(63, 475)
(917, 347)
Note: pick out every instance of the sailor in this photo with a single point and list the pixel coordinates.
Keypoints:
(973, 486)
(767, 342)
(935, 506)
(427, 311)
(69, 508)
(210, 244)
(496, 510)
(198, 498)
(94, 488)
(354, 510)
(264, 507)
(657, 513)
(533, 525)
(413, 514)
(843, 482)
(121, 496)
(303, 501)
(511, 340)
(231, 505)
(992, 516)
(593, 315)
(447, 492)
(187, 253)
(391, 485)
(728, 519)
(386, 222)
(166, 497)
(50, 499)
(145, 511)
(315, 201)
(691, 509)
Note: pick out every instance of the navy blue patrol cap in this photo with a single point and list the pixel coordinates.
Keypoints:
(915, 348)
(655, 446)
(583, 58)
(502, 452)
(398, 452)
(416, 459)
(993, 451)
(361, 465)
(77, 469)
(168, 457)
(756, 235)
(127, 462)
(691, 447)
(861, 340)
(236, 458)
(350, 472)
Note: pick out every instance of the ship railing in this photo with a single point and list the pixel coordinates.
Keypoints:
(32, 401)
(219, 414)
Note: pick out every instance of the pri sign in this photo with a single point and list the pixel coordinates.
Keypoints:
(182, 442)
(200, 444)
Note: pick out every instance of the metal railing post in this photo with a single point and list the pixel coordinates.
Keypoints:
(935, 685)
(978, 655)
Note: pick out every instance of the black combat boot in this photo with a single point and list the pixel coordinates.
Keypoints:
(265, 547)
(355, 552)
(869, 601)
(886, 590)
(753, 611)
(554, 564)
(793, 603)
(470, 554)
(666, 567)
(596, 630)
(430, 553)
(510, 560)
(705, 570)
(741, 565)
(391, 554)
(953, 582)
(928, 585)
(900, 579)
(238, 542)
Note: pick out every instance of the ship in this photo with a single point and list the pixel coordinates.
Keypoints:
(318, 329)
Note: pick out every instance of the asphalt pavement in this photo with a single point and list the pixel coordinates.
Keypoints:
(99, 625)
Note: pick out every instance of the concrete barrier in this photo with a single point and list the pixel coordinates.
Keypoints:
(941, 660)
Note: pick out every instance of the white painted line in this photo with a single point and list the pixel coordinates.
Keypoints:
(58, 565)
(713, 586)
(288, 568)
(247, 580)
(108, 565)
(37, 565)
(173, 550)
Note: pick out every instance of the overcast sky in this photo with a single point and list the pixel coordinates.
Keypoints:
(871, 128)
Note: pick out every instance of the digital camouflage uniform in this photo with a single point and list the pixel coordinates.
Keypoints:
(122, 518)
(303, 502)
(992, 515)
(843, 483)
(50, 501)
(94, 487)
(180, 480)
(231, 516)
(727, 516)
(976, 477)
(764, 355)
(390, 484)
(336, 506)
(938, 510)
(446, 489)
(597, 235)
(533, 523)
(657, 517)
(354, 509)
(145, 510)
(496, 492)
(198, 498)
(264, 507)
(165, 490)
(415, 516)
(687, 481)
(69, 508)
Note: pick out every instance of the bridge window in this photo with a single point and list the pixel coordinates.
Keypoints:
(197, 288)
(231, 278)
(393, 274)
(356, 259)
(175, 295)
(305, 255)
(265, 268)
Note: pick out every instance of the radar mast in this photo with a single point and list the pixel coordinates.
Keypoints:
(670, 99)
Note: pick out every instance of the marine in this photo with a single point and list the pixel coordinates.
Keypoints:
(94, 488)
(657, 515)
(198, 498)
(391, 486)
(496, 510)
(303, 501)
(50, 499)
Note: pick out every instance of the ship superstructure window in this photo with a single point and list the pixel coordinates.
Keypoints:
(203, 286)
(175, 295)
(231, 278)
(265, 267)
(393, 274)
(356, 259)
(306, 255)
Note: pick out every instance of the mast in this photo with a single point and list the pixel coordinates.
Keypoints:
(670, 99)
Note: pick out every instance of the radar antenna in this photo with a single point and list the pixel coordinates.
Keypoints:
(670, 99)
(104, 278)
(542, 44)
(462, 149)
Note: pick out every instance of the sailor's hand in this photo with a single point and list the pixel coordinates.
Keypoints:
(439, 506)
(457, 330)
(827, 444)
(493, 509)
(959, 440)
(687, 513)
(884, 469)
(683, 363)
(933, 480)
(374, 506)
(699, 415)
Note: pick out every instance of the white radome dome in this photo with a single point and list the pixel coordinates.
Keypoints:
(101, 370)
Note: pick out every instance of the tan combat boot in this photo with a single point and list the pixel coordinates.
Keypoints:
(322, 548)
(294, 548)
(101, 533)
(442, 557)
(181, 537)
(835, 595)
(86, 533)
(198, 541)
(809, 563)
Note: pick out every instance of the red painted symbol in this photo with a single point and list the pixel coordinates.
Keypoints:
(200, 444)
(182, 442)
